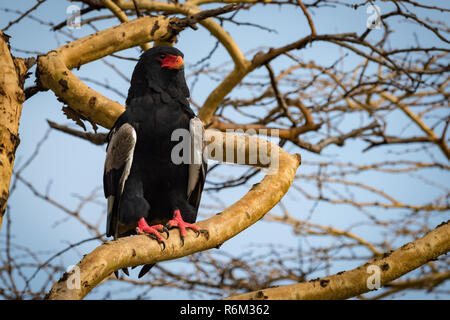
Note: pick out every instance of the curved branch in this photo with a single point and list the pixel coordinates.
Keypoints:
(138, 250)
(214, 99)
(54, 68)
(242, 65)
(189, 9)
(344, 285)
(122, 17)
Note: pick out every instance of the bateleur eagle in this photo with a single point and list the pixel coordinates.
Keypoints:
(147, 190)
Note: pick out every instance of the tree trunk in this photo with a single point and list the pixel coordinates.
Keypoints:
(12, 75)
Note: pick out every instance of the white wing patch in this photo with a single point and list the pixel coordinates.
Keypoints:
(120, 154)
(196, 131)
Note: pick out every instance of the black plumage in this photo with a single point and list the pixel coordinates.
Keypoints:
(141, 180)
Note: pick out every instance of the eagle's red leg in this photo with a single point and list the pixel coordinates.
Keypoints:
(178, 221)
(152, 231)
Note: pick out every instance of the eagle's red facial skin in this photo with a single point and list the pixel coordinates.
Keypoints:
(172, 62)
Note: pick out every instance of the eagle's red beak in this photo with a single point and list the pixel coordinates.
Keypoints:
(172, 62)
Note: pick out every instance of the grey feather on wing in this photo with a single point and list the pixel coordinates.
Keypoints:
(198, 164)
(119, 158)
(196, 131)
(121, 147)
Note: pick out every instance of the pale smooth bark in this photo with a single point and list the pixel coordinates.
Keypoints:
(12, 76)
(348, 284)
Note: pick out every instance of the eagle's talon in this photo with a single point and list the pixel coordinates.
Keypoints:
(178, 222)
(152, 231)
(154, 237)
(164, 228)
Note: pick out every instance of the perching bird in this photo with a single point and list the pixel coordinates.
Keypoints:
(144, 181)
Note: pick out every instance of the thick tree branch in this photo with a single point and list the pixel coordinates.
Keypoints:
(138, 250)
(189, 9)
(122, 17)
(428, 282)
(54, 68)
(349, 284)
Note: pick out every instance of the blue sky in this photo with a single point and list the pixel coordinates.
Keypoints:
(67, 166)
